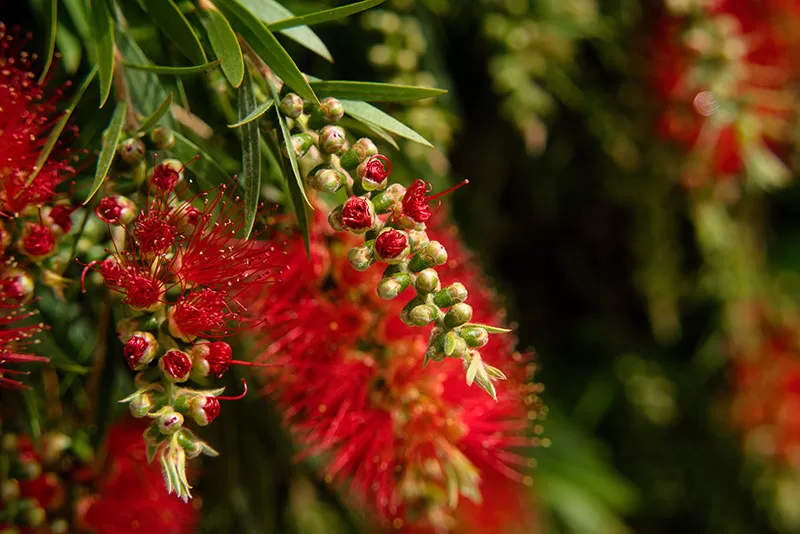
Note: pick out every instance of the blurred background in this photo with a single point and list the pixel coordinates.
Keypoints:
(633, 194)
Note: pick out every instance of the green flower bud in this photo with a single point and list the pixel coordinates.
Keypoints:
(454, 346)
(418, 239)
(162, 137)
(475, 336)
(292, 105)
(332, 139)
(327, 180)
(361, 257)
(428, 281)
(332, 110)
(131, 151)
(9, 490)
(335, 219)
(385, 201)
(405, 313)
(359, 151)
(459, 314)
(432, 255)
(452, 294)
(170, 422)
(141, 405)
(391, 286)
(300, 143)
(422, 315)
(35, 516)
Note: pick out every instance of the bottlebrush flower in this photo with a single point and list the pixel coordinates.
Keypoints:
(16, 333)
(349, 376)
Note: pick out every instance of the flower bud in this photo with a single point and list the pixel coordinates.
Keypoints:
(452, 294)
(176, 365)
(405, 313)
(167, 174)
(434, 254)
(454, 346)
(386, 200)
(16, 286)
(140, 350)
(332, 139)
(212, 359)
(428, 281)
(292, 105)
(374, 172)
(141, 405)
(357, 215)
(162, 137)
(457, 315)
(327, 180)
(9, 490)
(331, 109)
(204, 409)
(170, 422)
(359, 151)
(418, 239)
(391, 246)
(59, 218)
(422, 315)
(300, 144)
(361, 257)
(391, 286)
(37, 241)
(116, 209)
(131, 151)
(475, 336)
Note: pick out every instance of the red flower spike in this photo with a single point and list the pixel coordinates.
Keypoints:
(154, 234)
(15, 335)
(201, 313)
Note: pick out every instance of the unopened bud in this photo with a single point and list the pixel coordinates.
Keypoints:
(9, 490)
(327, 180)
(212, 359)
(361, 257)
(37, 241)
(422, 315)
(16, 286)
(204, 409)
(300, 144)
(418, 239)
(433, 255)
(452, 294)
(357, 215)
(332, 110)
(391, 246)
(475, 336)
(359, 151)
(140, 350)
(391, 286)
(428, 281)
(167, 174)
(141, 405)
(385, 201)
(454, 346)
(35, 516)
(292, 105)
(374, 172)
(457, 315)
(332, 139)
(162, 137)
(176, 365)
(131, 151)
(116, 209)
(170, 422)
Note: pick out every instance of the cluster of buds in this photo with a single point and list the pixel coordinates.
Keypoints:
(180, 268)
(393, 221)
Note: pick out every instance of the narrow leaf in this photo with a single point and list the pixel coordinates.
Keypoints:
(371, 129)
(70, 48)
(175, 71)
(373, 92)
(472, 370)
(325, 16)
(151, 121)
(103, 32)
(225, 46)
(267, 46)
(251, 154)
(253, 115)
(271, 11)
(108, 150)
(51, 11)
(55, 133)
(372, 116)
(207, 170)
(490, 329)
(166, 15)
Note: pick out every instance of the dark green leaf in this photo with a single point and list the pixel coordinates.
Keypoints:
(103, 33)
(166, 15)
(253, 115)
(271, 11)
(325, 16)
(51, 11)
(70, 48)
(225, 46)
(55, 133)
(175, 71)
(109, 149)
(371, 92)
(48, 346)
(372, 116)
(267, 46)
(151, 121)
(251, 155)
(208, 171)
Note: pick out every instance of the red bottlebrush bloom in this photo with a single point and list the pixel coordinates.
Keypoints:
(201, 313)
(415, 200)
(154, 234)
(131, 495)
(350, 380)
(26, 117)
(15, 335)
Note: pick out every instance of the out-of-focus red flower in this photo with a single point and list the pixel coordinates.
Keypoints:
(16, 333)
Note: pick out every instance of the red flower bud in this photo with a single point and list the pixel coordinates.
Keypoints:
(391, 246)
(16, 286)
(357, 215)
(115, 209)
(140, 350)
(167, 174)
(204, 409)
(38, 241)
(374, 172)
(61, 216)
(212, 358)
(176, 365)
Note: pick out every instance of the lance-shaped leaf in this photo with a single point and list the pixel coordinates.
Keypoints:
(225, 46)
(109, 149)
(267, 46)
(326, 15)
(372, 116)
(51, 14)
(251, 155)
(373, 92)
(166, 15)
(253, 115)
(103, 32)
(175, 71)
(153, 119)
(271, 11)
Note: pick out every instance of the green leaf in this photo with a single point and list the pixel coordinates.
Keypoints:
(490, 329)
(372, 116)
(327, 15)
(109, 148)
(267, 46)
(55, 133)
(225, 46)
(253, 115)
(208, 171)
(296, 188)
(151, 121)
(472, 370)
(371, 129)
(372, 92)
(166, 15)
(271, 11)
(51, 10)
(251, 154)
(71, 49)
(175, 71)
(103, 31)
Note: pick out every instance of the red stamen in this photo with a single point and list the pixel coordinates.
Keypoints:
(237, 397)
(450, 190)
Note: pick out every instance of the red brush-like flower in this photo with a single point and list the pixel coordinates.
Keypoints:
(406, 440)
(16, 334)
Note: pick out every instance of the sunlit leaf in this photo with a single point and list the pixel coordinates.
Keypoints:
(103, 32)
(371, 115)
(109, 149)
(226, 46)
(373, 92)
(327, 15)
(271, 11)
(175, 71)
